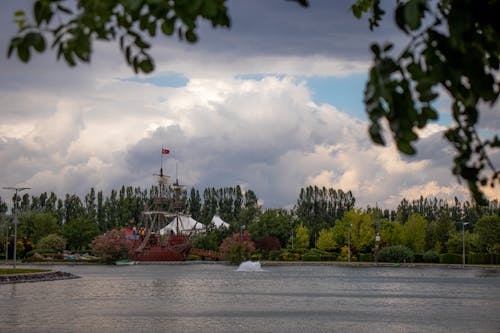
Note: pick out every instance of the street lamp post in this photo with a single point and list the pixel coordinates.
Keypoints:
(349, 243)
(463, 242)
(7, 241)
(16, 221)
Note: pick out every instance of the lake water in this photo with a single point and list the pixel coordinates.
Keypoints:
(217, 298)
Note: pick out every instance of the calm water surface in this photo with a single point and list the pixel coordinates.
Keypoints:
(216, 298)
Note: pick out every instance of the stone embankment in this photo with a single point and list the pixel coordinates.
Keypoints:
(36, 277)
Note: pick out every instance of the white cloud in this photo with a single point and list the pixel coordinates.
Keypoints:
(70, 129)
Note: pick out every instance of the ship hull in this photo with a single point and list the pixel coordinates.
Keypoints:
(175, 248)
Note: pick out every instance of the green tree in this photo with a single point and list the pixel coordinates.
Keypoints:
(362, 230)
(455, 242)
(391, 233)
(413, 235)
(195, 204)
(3, 206)
(438, 233)
(302, 237)
(272, 223)
(80, 232)
(488, 232)
(211, 240)
(326, 240)
(35, 226)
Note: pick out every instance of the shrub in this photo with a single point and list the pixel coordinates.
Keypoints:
(450, 258)
(366, 257)
(237, 250)
(274, 254)
(395, 253)
(311, 257)
(418, 257)
(430, 256)
(52, 241)
(289, 256)
(480, 259)
(111, 246)
(41, 252)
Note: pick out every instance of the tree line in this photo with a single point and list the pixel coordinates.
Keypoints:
(319, 215)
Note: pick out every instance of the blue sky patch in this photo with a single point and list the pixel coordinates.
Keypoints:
(171, 80)
(345, 93)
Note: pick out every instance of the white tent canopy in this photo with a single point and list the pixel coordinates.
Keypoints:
(186, 224)
(218, 222)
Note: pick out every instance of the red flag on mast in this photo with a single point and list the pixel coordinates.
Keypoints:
(165, 151)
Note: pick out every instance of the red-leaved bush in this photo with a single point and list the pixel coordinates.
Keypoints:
(111, 246)
(237, 247)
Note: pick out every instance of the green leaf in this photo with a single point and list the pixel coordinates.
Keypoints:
(127, 54)
(146, 66)
(191, 36)
(168, 26)
(64, 9)
(400, 17)
(141, 44)
(375, 134)
(14, 43)
(414, 12)
(388, 47)
(23, 52)
(375, 49)
(405, 147)
(19, 13)
(36, 40)
(68, 56)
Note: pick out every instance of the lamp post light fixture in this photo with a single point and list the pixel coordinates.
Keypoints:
(463, 242)
(14, 212)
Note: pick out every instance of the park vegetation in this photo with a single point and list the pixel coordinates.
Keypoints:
(320, 226)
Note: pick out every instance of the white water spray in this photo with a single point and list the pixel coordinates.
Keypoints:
(250, 266)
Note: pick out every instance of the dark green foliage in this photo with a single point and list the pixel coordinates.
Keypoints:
(79, 233)
(273, 223)
(481, 258)
(430, 256)
(72, 30)
(35, 226)
(211, 240)
(451, 258)
(453, 46)
(3, 206)
(311, 257)
(488, 230)
(366, 257)
(396, 253)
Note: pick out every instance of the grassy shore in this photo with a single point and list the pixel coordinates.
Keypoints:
(4, 271)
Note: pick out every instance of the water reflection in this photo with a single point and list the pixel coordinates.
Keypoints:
(209, 298)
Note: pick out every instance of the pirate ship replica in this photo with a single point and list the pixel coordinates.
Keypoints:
(162, 238)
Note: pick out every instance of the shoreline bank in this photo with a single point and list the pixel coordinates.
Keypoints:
(274, 263)
(36, 277)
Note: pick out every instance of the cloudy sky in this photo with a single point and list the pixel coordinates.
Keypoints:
(273, 104)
